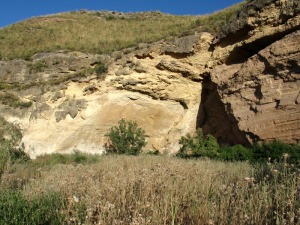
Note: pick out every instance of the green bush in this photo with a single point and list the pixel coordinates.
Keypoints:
(100, 69)
(16, 209)
(126, 138)
(275, 150)
(18, 155)
(235, 153)
(198, 146)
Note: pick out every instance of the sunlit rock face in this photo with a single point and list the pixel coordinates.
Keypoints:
(241, 86)
(77, 114)
(257, 74)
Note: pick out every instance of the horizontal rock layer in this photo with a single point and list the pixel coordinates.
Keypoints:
(242, 86)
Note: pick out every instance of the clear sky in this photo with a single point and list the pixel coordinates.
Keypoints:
(12, 11)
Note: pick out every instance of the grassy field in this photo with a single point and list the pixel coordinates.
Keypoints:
(134, 190)
(102, 32)
(84, 189)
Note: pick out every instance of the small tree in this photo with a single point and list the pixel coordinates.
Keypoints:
(198, 146)
(126, 138)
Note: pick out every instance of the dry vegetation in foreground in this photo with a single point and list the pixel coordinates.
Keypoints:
(102, 32)
(157, 190)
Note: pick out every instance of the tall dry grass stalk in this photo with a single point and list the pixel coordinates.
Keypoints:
(166, 190)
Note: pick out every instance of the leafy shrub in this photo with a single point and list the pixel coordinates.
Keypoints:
(126, 138)
(100, 69)
(275, 150)
(18, 155)
(198, 146)
(16, 209)
(235, 153)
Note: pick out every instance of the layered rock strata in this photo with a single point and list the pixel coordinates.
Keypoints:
(257, 73)
(242, 86)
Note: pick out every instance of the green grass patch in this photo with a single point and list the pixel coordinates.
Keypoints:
(16, 209)
(74, 158)
(13, 101)
(38, 66)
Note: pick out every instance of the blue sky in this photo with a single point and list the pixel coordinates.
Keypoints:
(12, 11)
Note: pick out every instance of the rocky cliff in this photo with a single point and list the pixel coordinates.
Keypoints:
(257, 75)
(241, 86)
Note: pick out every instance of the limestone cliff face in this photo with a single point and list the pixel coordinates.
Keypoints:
(147, 85)
(257, 73)
(242, 86)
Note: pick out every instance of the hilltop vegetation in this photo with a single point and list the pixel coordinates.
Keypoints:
(102, 32)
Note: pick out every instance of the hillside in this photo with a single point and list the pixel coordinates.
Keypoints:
(101, 31)
(232, 78)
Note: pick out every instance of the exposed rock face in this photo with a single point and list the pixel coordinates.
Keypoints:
(147, 85)
(242, 86)
(262, 93)
(46, 67)
(258, 79)
(258, 25)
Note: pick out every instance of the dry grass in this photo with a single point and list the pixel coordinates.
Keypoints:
(88, 32)
(102, 32)
(166, 190)
(215, 22)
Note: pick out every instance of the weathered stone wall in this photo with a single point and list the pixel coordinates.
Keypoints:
(257, 71)
(242, 86)
(76, 115)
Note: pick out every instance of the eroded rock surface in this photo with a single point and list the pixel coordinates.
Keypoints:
(257, 74)
(262, 93)
(260, 23)
(76, 115)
